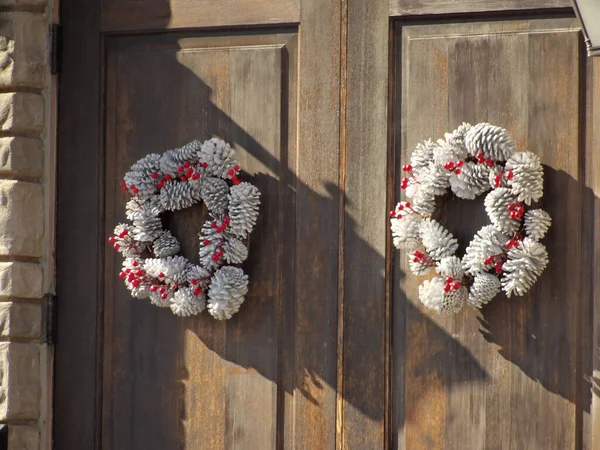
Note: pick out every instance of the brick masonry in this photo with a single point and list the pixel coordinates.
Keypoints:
(24, 219)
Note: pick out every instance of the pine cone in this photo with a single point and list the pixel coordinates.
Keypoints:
(211, 242)
(422, 155)
(524, 265)
(485, 287)
(434, 179)
(493, 141)
(243, 208)
(219, 156)
(191, 151)
(487, 242)
(456, 139)
(173, 269)
(171, 160)
(142, 290)
(226, 293)
(423, 200)
(234, 250)
(450, 266)
(185, 303)
(471, 182)
(177, 195)
(405, 231)
(137, 207)
(528, 176)
(438, 241)
(166, 245)
(140, 175)
(157, 300)
(214, 193)
(146, 228)
(537, 222)
(126, 245)
(198, 276)
(496, 206)
(433, 296)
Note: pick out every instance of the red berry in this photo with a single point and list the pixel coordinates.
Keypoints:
(231, 172)
(134, 264)
(195, 176)
(226, 220)
(489, 162)
(456, 285)
(197, 291)
(449, 165)
(236, 167)
(135, 190)
(509, 174)
(123, 184)
(407, 204)
(132, 186)
(167, 177)
(187, 164)
(213, 225)
(400, 207)
(399, 216)
(457, 171)
(512, 207)
(447, 288)
(154, 288)
(183, 178)
(206, 242)
(122, 275)
(236, 182)
(161, 275)
(116, 246)
(180, 169)
(449, 279)
(416, 260)
(154, 175)
(111, 239)
(163, 296)
(161, 184)
(162, 290)
(215, 257)
(392, 213)
(127, 270)
(407, 168)
(189, 173)
(205, 165)
(460, 163)
(516, 244)
(135, 283)
(194, 282)
(496, 184)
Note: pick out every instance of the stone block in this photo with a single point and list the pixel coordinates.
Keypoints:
(22, 437)
(23, 46)
(21, 112)
(21, 279)
(21, 156)
(20, 320)
(21, 218)
(20, 387)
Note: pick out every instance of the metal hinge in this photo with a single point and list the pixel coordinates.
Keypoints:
(54, 48)
(48, 320)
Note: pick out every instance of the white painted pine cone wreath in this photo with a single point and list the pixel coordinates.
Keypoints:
(175, 180)
(504, 255)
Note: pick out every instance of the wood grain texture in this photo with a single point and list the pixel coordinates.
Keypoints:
(363, 355)
(422, 7)
(481, 380)
(317, 220)
(79, 244)
(180, 375)
(120, 15)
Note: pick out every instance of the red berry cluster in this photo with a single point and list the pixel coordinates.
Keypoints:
(514, 241)
(517, 210)
(451, 284)
(218, 253)
(407, 168)
(396, 212)
(420, 257)
(123, 239)
(404, 183)
(481, 159)
(450, 165)
(498, 178)
(497, 261)
(233, 173)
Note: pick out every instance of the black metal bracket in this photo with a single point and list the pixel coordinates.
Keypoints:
(55, 48)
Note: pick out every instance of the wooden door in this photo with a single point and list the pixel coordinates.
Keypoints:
(323, 100)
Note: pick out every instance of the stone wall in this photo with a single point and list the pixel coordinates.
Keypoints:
(26, 142)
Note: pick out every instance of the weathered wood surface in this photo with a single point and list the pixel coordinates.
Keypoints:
(425, 7)
(508, 377)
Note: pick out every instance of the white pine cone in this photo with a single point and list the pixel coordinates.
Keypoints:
(444, 153)
(146, 228)
(437, 240)
(219, 156)
(177, 195)
(234, 250)
(528, 176)
(171, 160)
(243, 208)
(471, 182)
(484, 288)
(434, 179)
(140, 175)
(166, 245)
(405, 231)
(226, 293)
(184, 303)
(488, 241)
(433, 296)
(191, 151)
(137, 207)
(524, 265)
(140, 291)
(211, 242)
(173, 268)
(198, 276)
(214, 193)
(493, 141)
(537, 222)
(496, 206)
(422, 155)
(423, 200)
(456, 139)
(157, 300)
(450, 266)
(420, 266)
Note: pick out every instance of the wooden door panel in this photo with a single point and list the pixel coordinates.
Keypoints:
(518, 385)
(198, 382)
